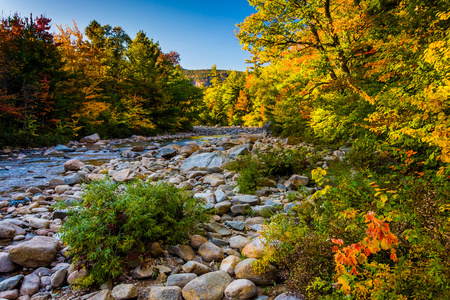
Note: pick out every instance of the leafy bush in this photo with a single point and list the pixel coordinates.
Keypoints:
(390, 231)
(301, 254)
(249, 177)
(283, 163)
(275, 162)
(116, 223)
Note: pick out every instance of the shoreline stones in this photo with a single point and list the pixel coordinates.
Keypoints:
(29, 228)
(40, 251)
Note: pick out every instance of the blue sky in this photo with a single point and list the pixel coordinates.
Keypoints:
(202, 32)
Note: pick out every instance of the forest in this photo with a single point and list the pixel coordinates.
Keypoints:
(370, 75)
(57, 86)
(373, 76)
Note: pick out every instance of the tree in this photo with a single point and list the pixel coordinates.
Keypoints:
(30, 67)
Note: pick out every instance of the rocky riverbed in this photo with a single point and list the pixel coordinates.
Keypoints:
(33, 262)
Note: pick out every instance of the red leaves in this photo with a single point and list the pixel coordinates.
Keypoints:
(378, 233)
(172, 57)
(394, 257)
(338, 242)
(42, 24)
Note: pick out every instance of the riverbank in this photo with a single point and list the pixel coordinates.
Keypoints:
(34, 261)
(21, 167)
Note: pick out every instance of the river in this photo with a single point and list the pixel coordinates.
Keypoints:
(35, 169)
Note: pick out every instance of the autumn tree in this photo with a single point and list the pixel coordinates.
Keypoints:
(81, 91)
(30, 67)
(371, 75)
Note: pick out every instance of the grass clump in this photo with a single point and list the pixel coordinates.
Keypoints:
(115, 224)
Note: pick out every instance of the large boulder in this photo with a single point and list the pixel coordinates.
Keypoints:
(214, 179)
(93, 138)
(295, 181)
(209, 286)
(38, 223)
(73, 165)
(122, 175)
(222, 207)
(75, 178)
(238, 242)
(239, 150)
(55, 182)
(58, 278)
(205, 160)
(40, 251)
(197, 240)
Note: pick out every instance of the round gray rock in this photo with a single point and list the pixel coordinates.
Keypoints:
(6, 265)
(124, 291)
(7, 231)
(164, 293)
(58, 278)
(195, 267)
(180, 280)
(244, 270)
(209, 286)
(10, 283)
(238, 242)
(210, 252)
(30, 285)
(241, 289)
(73, 165)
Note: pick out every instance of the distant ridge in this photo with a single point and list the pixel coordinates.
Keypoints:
(201, 77)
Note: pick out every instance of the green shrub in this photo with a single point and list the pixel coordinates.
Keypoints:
(414, 207)
(115, 224)
(283, 162)
(250, 172)
(302, 255)
(249, 178)
(275, 162)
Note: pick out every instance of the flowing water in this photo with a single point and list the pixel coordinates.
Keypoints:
(36, 169)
